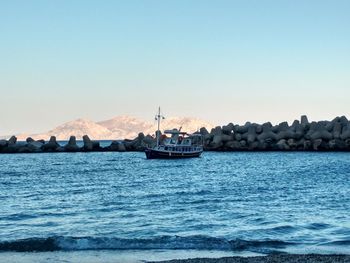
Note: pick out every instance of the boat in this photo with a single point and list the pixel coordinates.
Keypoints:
(178, 145)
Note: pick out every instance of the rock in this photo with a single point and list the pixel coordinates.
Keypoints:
(344, 121)
(140, 136)
(300, 144)
(332, 144)
(253, 146)
(226, 138)
(35, 146)
(217, 142)
(243, 144)
(285, 134)
(329, 126)
(12, 140)
(269, 142)
(258, 129)
(96, 146)
(121, 147)
(51, 146)
(216, 131)
(60, 149)
(267, 133)
(316, 144)
(72, 145)
(263, 145)
(313, 126)
(203, 131)
(130, 145)
(336, 119)
(18, 147)
(3, 144)
(292, 144)
(140, 142)
(149, 141)
(136, 144)
(337, 144)
(340, 144)
(345, 133)
(347, 143)
(227, 129)
(238, 137)
(318, 131)
(244, 136)
(324, 134)
(231, 126)
(304, 120)
(88, 144)
(307, 145)
(29, 139)
(266, 127)
(126, 142)
(275, 129)
(283, 126)
(242, 129)
(117, 146)
(337, 129)
(233, 145)
(298, 131)
(295, 124)
(24, 149)
(251, 134)
(282, 145)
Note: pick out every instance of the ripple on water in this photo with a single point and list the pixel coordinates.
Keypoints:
(239, 199)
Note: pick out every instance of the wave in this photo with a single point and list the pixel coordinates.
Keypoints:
(163, 242)
(338, 243)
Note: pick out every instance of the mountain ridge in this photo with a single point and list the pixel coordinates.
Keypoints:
(116, 128)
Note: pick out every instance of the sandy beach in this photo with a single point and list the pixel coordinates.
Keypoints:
(285, 258)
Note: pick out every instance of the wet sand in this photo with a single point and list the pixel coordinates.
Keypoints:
(285, 258)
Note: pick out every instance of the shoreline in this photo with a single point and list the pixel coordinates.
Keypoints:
(148, 257)
(280, 258)
(303, 136)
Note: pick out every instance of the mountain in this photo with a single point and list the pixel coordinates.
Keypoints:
(120, 127)
(126, 126)
(187, 124)
(78, 128)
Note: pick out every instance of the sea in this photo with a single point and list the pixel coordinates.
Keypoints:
(121, 207)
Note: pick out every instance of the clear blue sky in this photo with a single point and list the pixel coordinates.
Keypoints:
(223, 61)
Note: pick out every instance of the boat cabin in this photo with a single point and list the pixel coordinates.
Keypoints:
(179, 142)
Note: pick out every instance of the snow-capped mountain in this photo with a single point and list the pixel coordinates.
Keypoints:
(126, 126)
(120, 127)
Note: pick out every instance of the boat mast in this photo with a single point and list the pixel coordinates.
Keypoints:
(158, 117)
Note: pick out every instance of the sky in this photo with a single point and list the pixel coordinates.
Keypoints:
(222, 61)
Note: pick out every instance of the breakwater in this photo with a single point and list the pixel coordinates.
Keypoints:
(300, 136)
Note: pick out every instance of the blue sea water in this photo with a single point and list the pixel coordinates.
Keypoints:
(219, 204)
